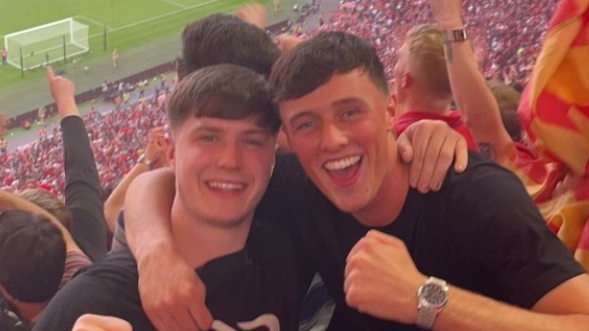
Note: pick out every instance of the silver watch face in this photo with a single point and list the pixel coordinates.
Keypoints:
(434, 294)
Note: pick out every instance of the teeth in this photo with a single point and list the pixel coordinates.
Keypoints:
(225, 186)
(343, 163)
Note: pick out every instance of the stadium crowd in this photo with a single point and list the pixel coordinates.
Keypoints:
(384, 211)
(505, 34)
(118, 138)
(507, 50)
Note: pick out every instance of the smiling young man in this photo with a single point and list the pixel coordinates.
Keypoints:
(224, 131)
(381, 247)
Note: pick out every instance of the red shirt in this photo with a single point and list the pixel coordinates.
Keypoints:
(454, 120)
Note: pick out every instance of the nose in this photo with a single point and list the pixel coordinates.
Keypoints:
(229, 157)
(333, 138)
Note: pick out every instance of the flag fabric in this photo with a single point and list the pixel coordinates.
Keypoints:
(555, 114)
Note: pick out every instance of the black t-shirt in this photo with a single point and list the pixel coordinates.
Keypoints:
(257, 286)
(480, 232)
(10, 319)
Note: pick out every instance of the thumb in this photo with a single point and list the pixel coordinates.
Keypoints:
(405, 148)
(49, 73)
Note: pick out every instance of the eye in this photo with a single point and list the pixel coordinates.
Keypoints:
(350, 113)
(253, 142)
(207, 138)
(305, 125)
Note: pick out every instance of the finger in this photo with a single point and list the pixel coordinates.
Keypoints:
(430, 159)
(168, 323)
(381, 236)
(185, 321)
(161, 319)
(461, 155)
(420, 145)
(356, 249)
(49, 73)
(102, 323)
(443, 163)
(405, 148)
(349, 280)
(201, 314)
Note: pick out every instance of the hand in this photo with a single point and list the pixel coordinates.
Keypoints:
(89, 322)
(447, 13)
(157, 147)
(254, 14)
(431, 146)
(63, 92)
(381, 279)
(286, 42)
(172, 295)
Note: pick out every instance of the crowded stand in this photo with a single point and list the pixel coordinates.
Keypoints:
(506, 49)
(117, 136)
(505, 34)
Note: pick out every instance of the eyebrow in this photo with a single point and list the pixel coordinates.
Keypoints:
(214, 129)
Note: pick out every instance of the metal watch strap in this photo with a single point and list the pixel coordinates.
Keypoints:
(456, 35)
(426, 318)
(428, 311)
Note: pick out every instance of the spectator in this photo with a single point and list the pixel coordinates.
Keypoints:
(114, 57)
(4, 54)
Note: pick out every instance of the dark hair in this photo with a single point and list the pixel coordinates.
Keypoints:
(508, 100)
(313, 62)
(221, 38)
(32, 256)
(223, 91)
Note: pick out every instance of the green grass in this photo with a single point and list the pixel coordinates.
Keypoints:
(128, 23)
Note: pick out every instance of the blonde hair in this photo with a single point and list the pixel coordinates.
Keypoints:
(427, 61)
(50, 203)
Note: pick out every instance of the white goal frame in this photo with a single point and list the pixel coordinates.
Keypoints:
(75, 39)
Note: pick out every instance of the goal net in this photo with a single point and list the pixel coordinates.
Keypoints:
(45, 44)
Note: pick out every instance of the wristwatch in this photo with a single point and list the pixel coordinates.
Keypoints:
(432, 297)
(143, 159)
(456, 35)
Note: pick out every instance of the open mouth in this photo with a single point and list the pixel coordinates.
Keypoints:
(344, 172)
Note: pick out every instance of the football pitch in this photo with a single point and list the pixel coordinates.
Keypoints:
(121, 24)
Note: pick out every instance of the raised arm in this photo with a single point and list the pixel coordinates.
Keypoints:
(153, 158)
(472, 96)
(172, 295)
(82, 191)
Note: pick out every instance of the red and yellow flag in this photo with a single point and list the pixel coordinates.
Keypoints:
(555, 113)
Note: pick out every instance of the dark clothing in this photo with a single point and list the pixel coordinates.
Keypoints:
(82, 190)
(10, 319)
(258, 282)
(480, 232)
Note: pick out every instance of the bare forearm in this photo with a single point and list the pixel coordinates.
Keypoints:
(147, 213)
(475, 100)
(468, 311)
(116, 201)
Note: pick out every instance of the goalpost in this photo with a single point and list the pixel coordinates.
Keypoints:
(45, 44)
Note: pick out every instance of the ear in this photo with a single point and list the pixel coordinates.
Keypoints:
(406, 80)
(171, 153)
(391, 112)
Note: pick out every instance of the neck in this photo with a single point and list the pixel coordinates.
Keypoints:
(199, 241)
(391, 196)
(425, 104)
